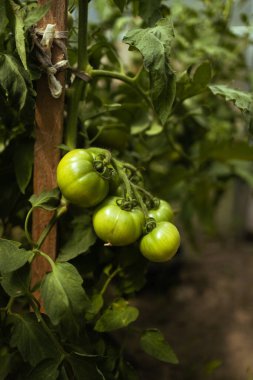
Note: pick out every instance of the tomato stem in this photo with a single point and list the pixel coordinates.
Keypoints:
(78, 84)
(59, 212)
(109, 279)
(123, 177)
(27, 233)
(140, 200)
(124, 78)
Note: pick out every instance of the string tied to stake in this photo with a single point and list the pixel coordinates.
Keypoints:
(50, 36)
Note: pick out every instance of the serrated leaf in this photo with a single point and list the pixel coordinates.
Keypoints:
(46, 370)
(35, 14)
(119, 314)
(80, 240)
(155, 45)
(14, 81)
(31, 340)
(12, 257)
(16, 283)
(48, 200)
(85, 368)
(154, 344)
(18, 14)
(120, 4)
(23, 164)
(63, 294)
(242, 100)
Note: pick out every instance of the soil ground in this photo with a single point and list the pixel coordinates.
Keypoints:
(203, 304)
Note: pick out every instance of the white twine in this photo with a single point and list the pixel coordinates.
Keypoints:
(48, 35)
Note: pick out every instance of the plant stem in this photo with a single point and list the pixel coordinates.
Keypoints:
(124, 78)
(59, 212)
(79, 84)
(48, 258)
(82, 34)
(27, 233)
(109, 279)
(123, 177)
(140, 201)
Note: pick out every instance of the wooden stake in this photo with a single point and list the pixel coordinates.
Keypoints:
(48, 134)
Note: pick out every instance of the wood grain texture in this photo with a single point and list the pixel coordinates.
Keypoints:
(48, 134)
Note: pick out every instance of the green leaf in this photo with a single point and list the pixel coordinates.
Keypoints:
(31, 340)
(62, 293)
(85, 368)
(137, 129)
(3, 18)
(96, 304)
(154, 344)
(16, 283)
(118, 315)
(242, 100)
(80, 240)
(194, 81)
(14, 81)
(48, 200)
(127, 371)
(150, 10)
(155, 45)
(23, 164)
(18, 14)
(46, 370)
(120, 4)
(35, 13)
(12, 257)
(154, 129)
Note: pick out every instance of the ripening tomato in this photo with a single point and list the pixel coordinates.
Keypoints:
(163, 213)
(162, 243)
(79, 180)
(116, 226)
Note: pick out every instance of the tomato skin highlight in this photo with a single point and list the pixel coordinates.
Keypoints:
(79, 181)
(163, 213)
(162, 243)
(116, 226)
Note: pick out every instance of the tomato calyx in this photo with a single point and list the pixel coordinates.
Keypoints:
(100, 164)
(127, 204)
(149, 225)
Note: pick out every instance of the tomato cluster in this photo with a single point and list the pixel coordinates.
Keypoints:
(125, 211)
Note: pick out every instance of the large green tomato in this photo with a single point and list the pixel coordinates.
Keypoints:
(116, 226)
(78, 179)
(162, 243)
(163, 213)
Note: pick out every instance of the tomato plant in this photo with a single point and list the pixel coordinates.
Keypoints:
(176, 128)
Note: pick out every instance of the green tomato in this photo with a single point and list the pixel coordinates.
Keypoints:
(116, 226)
(78, 179)
(163, 213)
(162, 243)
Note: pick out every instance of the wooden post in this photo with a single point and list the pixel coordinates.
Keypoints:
(48, 134)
